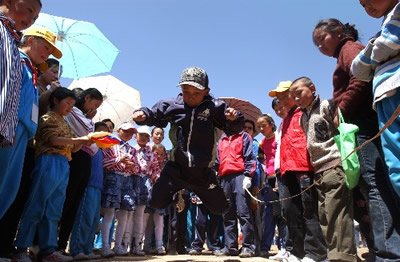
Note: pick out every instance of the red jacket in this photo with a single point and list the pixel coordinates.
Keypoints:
(293, 150)
(235, 155)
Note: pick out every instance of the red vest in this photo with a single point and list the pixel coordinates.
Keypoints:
(230, 152)
(293, 150)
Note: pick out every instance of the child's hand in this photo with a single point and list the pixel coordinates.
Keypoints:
(231, 114)
(54, 85)
(139, 116)
(124, 159)
(84, 140)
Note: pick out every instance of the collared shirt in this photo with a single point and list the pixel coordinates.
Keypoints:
(51, 125)
(10, 80)
(112, 159)
(148, 162)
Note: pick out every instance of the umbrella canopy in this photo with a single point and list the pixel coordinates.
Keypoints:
(86, 51)
(119, 99)
(249, 111)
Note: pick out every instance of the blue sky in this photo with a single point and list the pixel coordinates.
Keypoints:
(246, 46)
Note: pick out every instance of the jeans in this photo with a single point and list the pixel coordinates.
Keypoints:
(301, 214)
(383, 204)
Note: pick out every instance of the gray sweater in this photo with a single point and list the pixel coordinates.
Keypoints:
(317, 123)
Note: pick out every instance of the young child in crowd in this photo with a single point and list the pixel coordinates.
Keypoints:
(80, 121)
(236, 164)
(193, 115)
(36, 45)
(88, 215)
(15, 16)
(46, 78)
(110, 124)
(354, 98)
(266, 125)
(153, 219)
(379, 62)
(54, 143)
(120, 166)
(335, 199)
(149, 170)
(301, 213)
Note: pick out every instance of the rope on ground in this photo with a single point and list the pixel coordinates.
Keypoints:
(388, 123)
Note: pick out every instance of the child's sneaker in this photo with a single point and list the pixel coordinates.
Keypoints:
(291, 258)
(80, 256)
(160, 251)
(282, 254)
(21, 257)
(93, 256)
(138, 251)
(307, 259)
(56, 257)
(106, 252)
(120, 251)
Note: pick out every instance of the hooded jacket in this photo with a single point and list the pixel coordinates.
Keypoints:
(193, 129)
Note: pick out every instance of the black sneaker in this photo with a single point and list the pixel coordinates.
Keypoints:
(194, 252)
(246, 252)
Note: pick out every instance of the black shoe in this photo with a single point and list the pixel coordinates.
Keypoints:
(224, 252)
(263, 253)
(246, 252)
(194, 252)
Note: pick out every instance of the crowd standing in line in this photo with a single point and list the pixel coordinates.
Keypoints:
(54, 180)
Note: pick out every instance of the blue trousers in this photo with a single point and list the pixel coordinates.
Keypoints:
(269, 222)
(203, 219)
(239, 208)
(86, 222)
(391, 137)
(11, 164)
(43, 209)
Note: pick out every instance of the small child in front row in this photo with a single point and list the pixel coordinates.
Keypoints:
(335, 199)
(88, 215)
(120, 165)
(54, 143)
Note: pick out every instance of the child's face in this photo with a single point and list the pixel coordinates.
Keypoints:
(248, 128)
(280, 110)
(125, 135)
(326, 42)
(37, 49)
(110, 126)
(23, 12)
(302, 94)
(264, 126)
(64, 107)
(160, 154)
(286, 100)
(91, 104)
(50, 75)
(193, 96)
(157, 136)
(142, 139)
(378, 8)
(101, 129)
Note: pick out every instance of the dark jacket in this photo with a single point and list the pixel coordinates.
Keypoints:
(193, 129)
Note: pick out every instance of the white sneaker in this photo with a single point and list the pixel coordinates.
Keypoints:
(307, 259)
(21, 257)
(282, 254)
(291, 258)
(106, 252)
(160, 250)
(120, 251)
(56, 256)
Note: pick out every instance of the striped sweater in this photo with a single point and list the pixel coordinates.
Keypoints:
(380, 59)
(10, 80)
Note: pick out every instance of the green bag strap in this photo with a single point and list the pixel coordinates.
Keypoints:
(341, 120)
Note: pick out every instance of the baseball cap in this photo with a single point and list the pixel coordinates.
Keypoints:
(127, 126)
(47, 35)
(144, 130)
(194, 76)
(282, 87)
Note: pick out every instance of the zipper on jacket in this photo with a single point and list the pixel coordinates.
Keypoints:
(189, 138)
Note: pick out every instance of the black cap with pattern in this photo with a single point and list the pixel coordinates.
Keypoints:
(194, 76)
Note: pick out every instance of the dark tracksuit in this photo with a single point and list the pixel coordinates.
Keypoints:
(193, 135)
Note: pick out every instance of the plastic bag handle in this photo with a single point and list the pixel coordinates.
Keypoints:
(341, 120)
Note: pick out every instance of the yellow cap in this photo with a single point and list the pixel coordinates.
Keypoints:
(282, 87)
(47, 35)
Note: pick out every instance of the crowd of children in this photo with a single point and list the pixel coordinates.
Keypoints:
(56, 183)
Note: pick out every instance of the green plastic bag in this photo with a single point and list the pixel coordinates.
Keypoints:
(346, 142)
